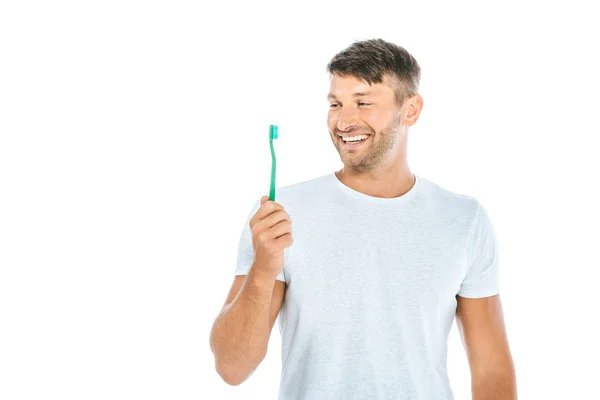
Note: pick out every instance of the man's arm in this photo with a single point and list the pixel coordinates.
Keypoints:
(240, 334)
(481, 325)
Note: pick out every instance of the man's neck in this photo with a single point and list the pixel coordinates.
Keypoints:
(378, 183)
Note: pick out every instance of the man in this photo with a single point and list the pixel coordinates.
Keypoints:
(380, 263)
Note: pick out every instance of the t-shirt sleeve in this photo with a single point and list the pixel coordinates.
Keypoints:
(245, 254)
(482, 278)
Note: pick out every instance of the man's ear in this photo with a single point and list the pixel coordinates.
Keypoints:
(412, 108)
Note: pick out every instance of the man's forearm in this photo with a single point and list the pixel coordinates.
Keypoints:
(240, 334)
(495, 386)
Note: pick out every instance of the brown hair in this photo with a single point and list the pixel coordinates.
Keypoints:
(372, 59)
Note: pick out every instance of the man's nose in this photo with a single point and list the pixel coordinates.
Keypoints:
(346, 118)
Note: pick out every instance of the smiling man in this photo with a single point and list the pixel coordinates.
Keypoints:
(381, 263)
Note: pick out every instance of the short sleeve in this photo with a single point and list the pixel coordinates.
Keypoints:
(482, 278)
(245, 254)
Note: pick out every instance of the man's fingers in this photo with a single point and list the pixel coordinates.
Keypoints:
(266, 208)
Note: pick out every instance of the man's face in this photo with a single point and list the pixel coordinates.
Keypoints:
(357, 108)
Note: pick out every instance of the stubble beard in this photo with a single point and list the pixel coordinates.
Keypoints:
(381, 143)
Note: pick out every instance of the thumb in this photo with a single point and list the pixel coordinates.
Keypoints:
(263, 200)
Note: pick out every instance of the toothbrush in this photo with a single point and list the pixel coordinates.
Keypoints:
(273, 134)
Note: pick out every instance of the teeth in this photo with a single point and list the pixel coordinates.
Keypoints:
(354, 138)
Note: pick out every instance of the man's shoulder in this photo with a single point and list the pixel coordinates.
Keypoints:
(448, 200)
(304, 192)
(305, 185)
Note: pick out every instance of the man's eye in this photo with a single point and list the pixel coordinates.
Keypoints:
(360, 104)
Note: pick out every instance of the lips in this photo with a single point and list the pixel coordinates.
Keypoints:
(353, 145)
(353, 135)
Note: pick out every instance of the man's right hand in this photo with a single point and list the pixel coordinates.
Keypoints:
(271, 230)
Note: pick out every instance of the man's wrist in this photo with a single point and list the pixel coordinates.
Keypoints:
(260, 279)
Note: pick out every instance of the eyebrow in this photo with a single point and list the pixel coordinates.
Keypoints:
(357, 94)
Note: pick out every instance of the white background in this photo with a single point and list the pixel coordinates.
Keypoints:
(134, 141)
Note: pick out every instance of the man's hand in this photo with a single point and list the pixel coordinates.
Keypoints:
(271, 230)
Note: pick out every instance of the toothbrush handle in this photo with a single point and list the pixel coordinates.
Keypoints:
(273, 168)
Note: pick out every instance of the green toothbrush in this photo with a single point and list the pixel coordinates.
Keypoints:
(273, 134)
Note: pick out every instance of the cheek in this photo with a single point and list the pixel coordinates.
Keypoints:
(371, 116)
(331, 119)
(376, 121)
(372, 120)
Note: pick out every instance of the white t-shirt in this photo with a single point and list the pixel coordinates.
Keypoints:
(371, 286)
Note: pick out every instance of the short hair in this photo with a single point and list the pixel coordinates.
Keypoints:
(372, 59)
